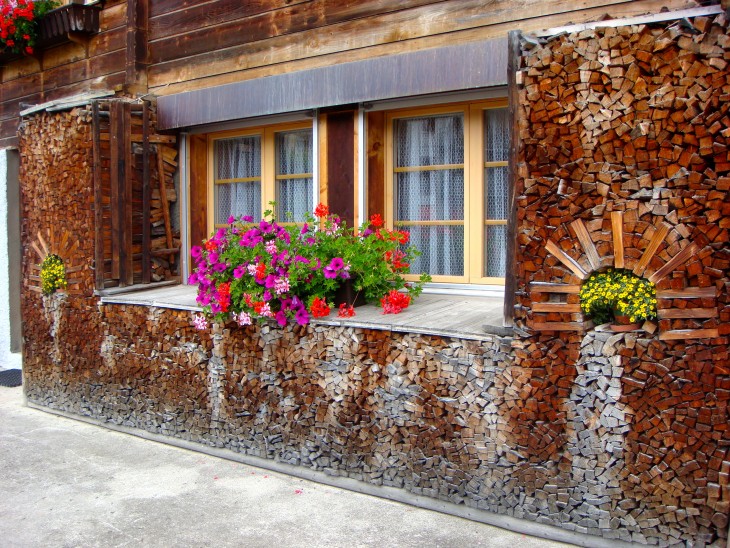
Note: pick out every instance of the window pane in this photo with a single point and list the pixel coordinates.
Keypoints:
(430, 195)
(496, 135)
(294, 156)
(423, 194)
(237, 158)
(495, 195)
(429, 140)
(294, 199)
(441, 247)
(237, 199)
(495, 237)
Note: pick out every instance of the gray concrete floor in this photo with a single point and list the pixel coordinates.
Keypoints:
(67, 483)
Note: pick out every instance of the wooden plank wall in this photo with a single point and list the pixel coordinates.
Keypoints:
(65, 70)
(196, 44)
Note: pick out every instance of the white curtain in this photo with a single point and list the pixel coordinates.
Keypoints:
(237, 159)
(432, 194)
(496, 180)
(294, 196)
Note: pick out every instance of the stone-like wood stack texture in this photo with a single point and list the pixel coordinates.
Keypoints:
(633, 120)
(624, 436)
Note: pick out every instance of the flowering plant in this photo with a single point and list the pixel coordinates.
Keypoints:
(250, 271)
(53, 274)
(19, 23)
(604, 295)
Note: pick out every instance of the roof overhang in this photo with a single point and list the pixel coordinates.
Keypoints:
(467, 66)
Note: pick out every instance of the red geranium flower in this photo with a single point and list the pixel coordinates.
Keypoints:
(321, 210)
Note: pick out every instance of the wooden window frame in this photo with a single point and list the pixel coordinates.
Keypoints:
(268, 163)
(474, 183)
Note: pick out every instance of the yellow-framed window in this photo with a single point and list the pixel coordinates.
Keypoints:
(252, 167)
(446, 183)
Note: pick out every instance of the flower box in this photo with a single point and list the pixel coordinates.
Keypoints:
(61, 25)
(56, 26)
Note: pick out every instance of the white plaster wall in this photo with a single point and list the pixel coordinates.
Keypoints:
(8, 359)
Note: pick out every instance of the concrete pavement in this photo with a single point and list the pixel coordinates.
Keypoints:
(67, 483)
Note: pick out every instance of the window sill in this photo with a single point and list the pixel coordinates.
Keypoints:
(476, 318)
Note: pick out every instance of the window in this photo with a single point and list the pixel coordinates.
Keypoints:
(256, 166)
(447, 184)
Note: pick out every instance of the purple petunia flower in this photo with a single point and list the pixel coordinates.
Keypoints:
(231, 220)
(239, 272)
(302, 317)
(281, 318)
(247, 219)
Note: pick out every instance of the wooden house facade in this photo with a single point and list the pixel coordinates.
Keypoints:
(523, 145)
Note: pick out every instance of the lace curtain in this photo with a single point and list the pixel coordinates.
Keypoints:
(294, 182)
(238, 158)
(429, 189)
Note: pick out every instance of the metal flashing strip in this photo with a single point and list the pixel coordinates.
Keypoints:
(467, 66)
(67, 102)
(639, 20)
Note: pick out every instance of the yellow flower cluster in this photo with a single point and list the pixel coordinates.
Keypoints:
(53, 274)
(618, 291)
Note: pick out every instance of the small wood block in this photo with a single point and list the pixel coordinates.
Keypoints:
(555, 307)
(543, 287)
(681, 334)
(566, 259)
(680, 258)
(557, 326)
(689, 293)
(661, 233)
(673, 313)
(588, 246)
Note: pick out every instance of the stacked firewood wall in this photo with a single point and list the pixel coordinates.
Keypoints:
(134, 170)
(626, 131)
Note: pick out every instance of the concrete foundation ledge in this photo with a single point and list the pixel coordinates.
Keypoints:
(391, 493)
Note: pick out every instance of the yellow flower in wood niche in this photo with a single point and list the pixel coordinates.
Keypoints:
(53, 274)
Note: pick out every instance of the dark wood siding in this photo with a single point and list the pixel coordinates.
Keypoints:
(199, 44)
(65, 70)
(341, 164)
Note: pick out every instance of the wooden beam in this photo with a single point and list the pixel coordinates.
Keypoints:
(556, 307)
(556, 326)
(566, 259)
(137, 60)
(617, 228)
(585, 241)
(98, 199)
(146, 196)
(683, 334)
(513, 104)
(661, 232)
(163, 197)
(127, 266)
(686, 313)
(543, 287)
(116, 140)
(679, 259)
(688, 293)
